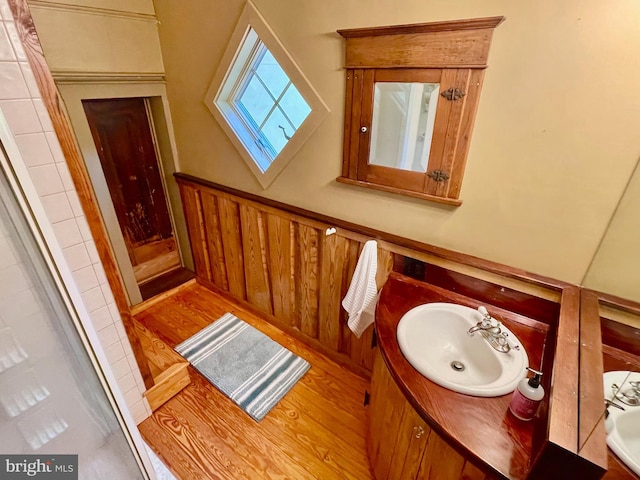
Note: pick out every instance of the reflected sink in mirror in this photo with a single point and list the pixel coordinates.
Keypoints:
(623, 426)
(434, 339)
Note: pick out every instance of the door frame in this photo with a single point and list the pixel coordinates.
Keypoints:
(73, 92)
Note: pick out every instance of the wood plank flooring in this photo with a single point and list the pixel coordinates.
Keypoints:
(317, 431)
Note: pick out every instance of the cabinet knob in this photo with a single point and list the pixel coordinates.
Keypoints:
(418, 431)
(364, 129)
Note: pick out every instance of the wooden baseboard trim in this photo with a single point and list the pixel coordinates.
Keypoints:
(293, 332)
(140, 307)
(168, 384)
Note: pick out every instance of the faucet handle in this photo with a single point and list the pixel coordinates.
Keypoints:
(483, 311)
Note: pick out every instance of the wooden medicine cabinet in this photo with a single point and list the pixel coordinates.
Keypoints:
(412, 92)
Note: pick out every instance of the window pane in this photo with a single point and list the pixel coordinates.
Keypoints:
(256, 101)
(274, 134)
(294, 106)
(272, 75)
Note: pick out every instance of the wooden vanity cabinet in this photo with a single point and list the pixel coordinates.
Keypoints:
(401, 445)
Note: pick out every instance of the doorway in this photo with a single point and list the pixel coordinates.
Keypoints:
(124, 141)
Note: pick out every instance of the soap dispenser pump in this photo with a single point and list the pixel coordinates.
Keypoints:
(527, 397)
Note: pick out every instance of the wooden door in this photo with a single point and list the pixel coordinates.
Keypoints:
(122, 135)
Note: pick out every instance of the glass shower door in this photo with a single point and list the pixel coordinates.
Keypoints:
(51, 399)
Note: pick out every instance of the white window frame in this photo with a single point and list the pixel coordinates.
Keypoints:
(232, 65)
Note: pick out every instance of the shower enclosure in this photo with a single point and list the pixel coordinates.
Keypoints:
(54, 399)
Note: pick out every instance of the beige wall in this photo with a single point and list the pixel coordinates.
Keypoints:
(555, 138)
(98, 36)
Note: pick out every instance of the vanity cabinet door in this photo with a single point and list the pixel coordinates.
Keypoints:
(401, 445)
(397, 434)
(410, 444)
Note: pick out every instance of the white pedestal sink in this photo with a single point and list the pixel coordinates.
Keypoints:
(623, 427)
(434, 339)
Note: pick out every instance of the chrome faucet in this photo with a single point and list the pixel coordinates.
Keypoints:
(630, 396)
(490, 330)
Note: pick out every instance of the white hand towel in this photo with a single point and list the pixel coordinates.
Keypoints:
(362, 296)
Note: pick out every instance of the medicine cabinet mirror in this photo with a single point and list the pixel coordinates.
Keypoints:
(402, 124)
(412, 92)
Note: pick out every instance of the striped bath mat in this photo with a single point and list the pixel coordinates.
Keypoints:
(246, 365)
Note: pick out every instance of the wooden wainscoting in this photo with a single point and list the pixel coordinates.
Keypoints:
(279, 260)
(283, 265)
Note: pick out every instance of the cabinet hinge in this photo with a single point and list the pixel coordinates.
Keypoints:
(438, 175)
(367, 397)
(453, 94)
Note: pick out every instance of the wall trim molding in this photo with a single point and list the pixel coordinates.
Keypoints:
(83, 10)
(70, 77)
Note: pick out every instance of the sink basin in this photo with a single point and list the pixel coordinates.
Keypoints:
(433, 338)
(623, 427)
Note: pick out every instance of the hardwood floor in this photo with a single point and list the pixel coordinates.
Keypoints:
(317, 431)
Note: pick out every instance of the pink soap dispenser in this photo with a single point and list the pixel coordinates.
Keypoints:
(527, 397)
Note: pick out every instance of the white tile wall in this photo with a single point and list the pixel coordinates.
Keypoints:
(67, 233)
(6, 52)
(12, 84)
(46, 179)
(86, 279)
(29, 79)
(15, 41)
(5, 11)
(101, 318)
(40, 150)
(93, 300)
(34, 149)
(21, 115)
(57, 206)
(54, 147)
(41, 110)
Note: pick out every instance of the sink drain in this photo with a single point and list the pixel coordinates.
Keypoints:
(457, 366)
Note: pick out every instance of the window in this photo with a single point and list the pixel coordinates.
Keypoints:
(260, 103)
(262, 100)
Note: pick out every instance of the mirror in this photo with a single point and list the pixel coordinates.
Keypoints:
(615, 268)
(402, 125)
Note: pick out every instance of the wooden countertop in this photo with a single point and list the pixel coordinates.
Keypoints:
(481, 429)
